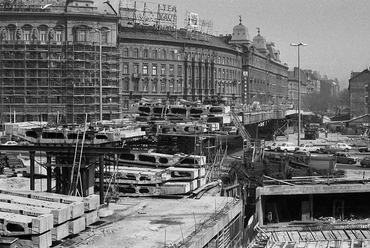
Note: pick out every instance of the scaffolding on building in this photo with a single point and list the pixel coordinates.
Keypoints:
(57, 81)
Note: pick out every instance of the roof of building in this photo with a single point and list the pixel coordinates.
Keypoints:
(356, 74)
(181, 36)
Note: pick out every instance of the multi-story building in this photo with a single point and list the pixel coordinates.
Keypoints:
(50, 58)
(69, 61)
(265, 77)
(293, 85)
(359, 93)
(313, 81)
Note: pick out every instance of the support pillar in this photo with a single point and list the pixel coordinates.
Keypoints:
(66, 180)
(58, 181)
(32, 170)
(101, 178)
(48, 172)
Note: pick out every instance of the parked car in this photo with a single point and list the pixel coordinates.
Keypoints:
(11, 143)
(302, 156)
(308, 147)
(274, 146)
(287, 147)
(330, 149)
(344, 147)
(345, 158)
(363, 149)
(365, 162)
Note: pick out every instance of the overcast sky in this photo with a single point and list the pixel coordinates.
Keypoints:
(337, 32)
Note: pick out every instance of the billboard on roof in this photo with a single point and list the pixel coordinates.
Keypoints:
(160, 16)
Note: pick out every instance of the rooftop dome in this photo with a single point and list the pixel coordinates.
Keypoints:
(259, 42)
(240, 33)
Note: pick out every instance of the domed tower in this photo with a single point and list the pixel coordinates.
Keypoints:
(259, 42)
(240, 34)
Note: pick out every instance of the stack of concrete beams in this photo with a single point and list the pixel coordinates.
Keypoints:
(36, 219)
(139, 181)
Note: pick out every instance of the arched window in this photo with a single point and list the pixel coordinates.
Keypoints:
(27, 32)
(179, 85)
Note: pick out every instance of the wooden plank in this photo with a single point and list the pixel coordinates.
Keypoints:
(16, 224)
(76, 226)
(59, 232)
(61, 212)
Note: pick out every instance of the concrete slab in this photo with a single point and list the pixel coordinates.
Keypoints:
(157, 222)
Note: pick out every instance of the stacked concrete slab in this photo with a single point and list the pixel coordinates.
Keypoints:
(37, 219)
(138, 181)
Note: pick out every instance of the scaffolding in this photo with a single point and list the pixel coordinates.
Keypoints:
(57, 81)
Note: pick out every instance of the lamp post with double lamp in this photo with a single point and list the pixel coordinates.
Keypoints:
(100, 31)
(299, 91)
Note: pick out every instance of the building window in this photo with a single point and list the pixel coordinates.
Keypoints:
(27, 34)
(136, 68)
(136, 52)
(172, 70)
(223, 74)
(126, 84)
(154, 70)
(125, 69)
(145, 86)
(164, 54)
(219, 59)
(136, 86)
(163, 69)
(163, 87)
(155, 54)
(43, 35)
(179, 87)
(125, 52)
(145, 69)
(58, 36)
(154, 87)
(172, 87)
(179, 70)
(146, 52)
(82, 35)
(179, 56)
(172, 55)
(12, 34)
(104, 37)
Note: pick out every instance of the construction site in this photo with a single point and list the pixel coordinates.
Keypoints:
(120, 129)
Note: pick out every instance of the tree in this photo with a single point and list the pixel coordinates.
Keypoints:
(317, 102)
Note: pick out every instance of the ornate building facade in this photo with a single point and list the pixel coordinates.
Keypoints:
(70, 62)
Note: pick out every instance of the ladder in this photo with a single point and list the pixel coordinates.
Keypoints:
(77, 159)
(242, 131)
(245, 135)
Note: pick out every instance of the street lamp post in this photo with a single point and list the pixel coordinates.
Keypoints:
(299, 91)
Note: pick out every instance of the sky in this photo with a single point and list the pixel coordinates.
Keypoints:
(336, 31)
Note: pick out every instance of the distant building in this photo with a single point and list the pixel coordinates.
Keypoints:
(293, 85)
(359, 89)
(313, 81)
